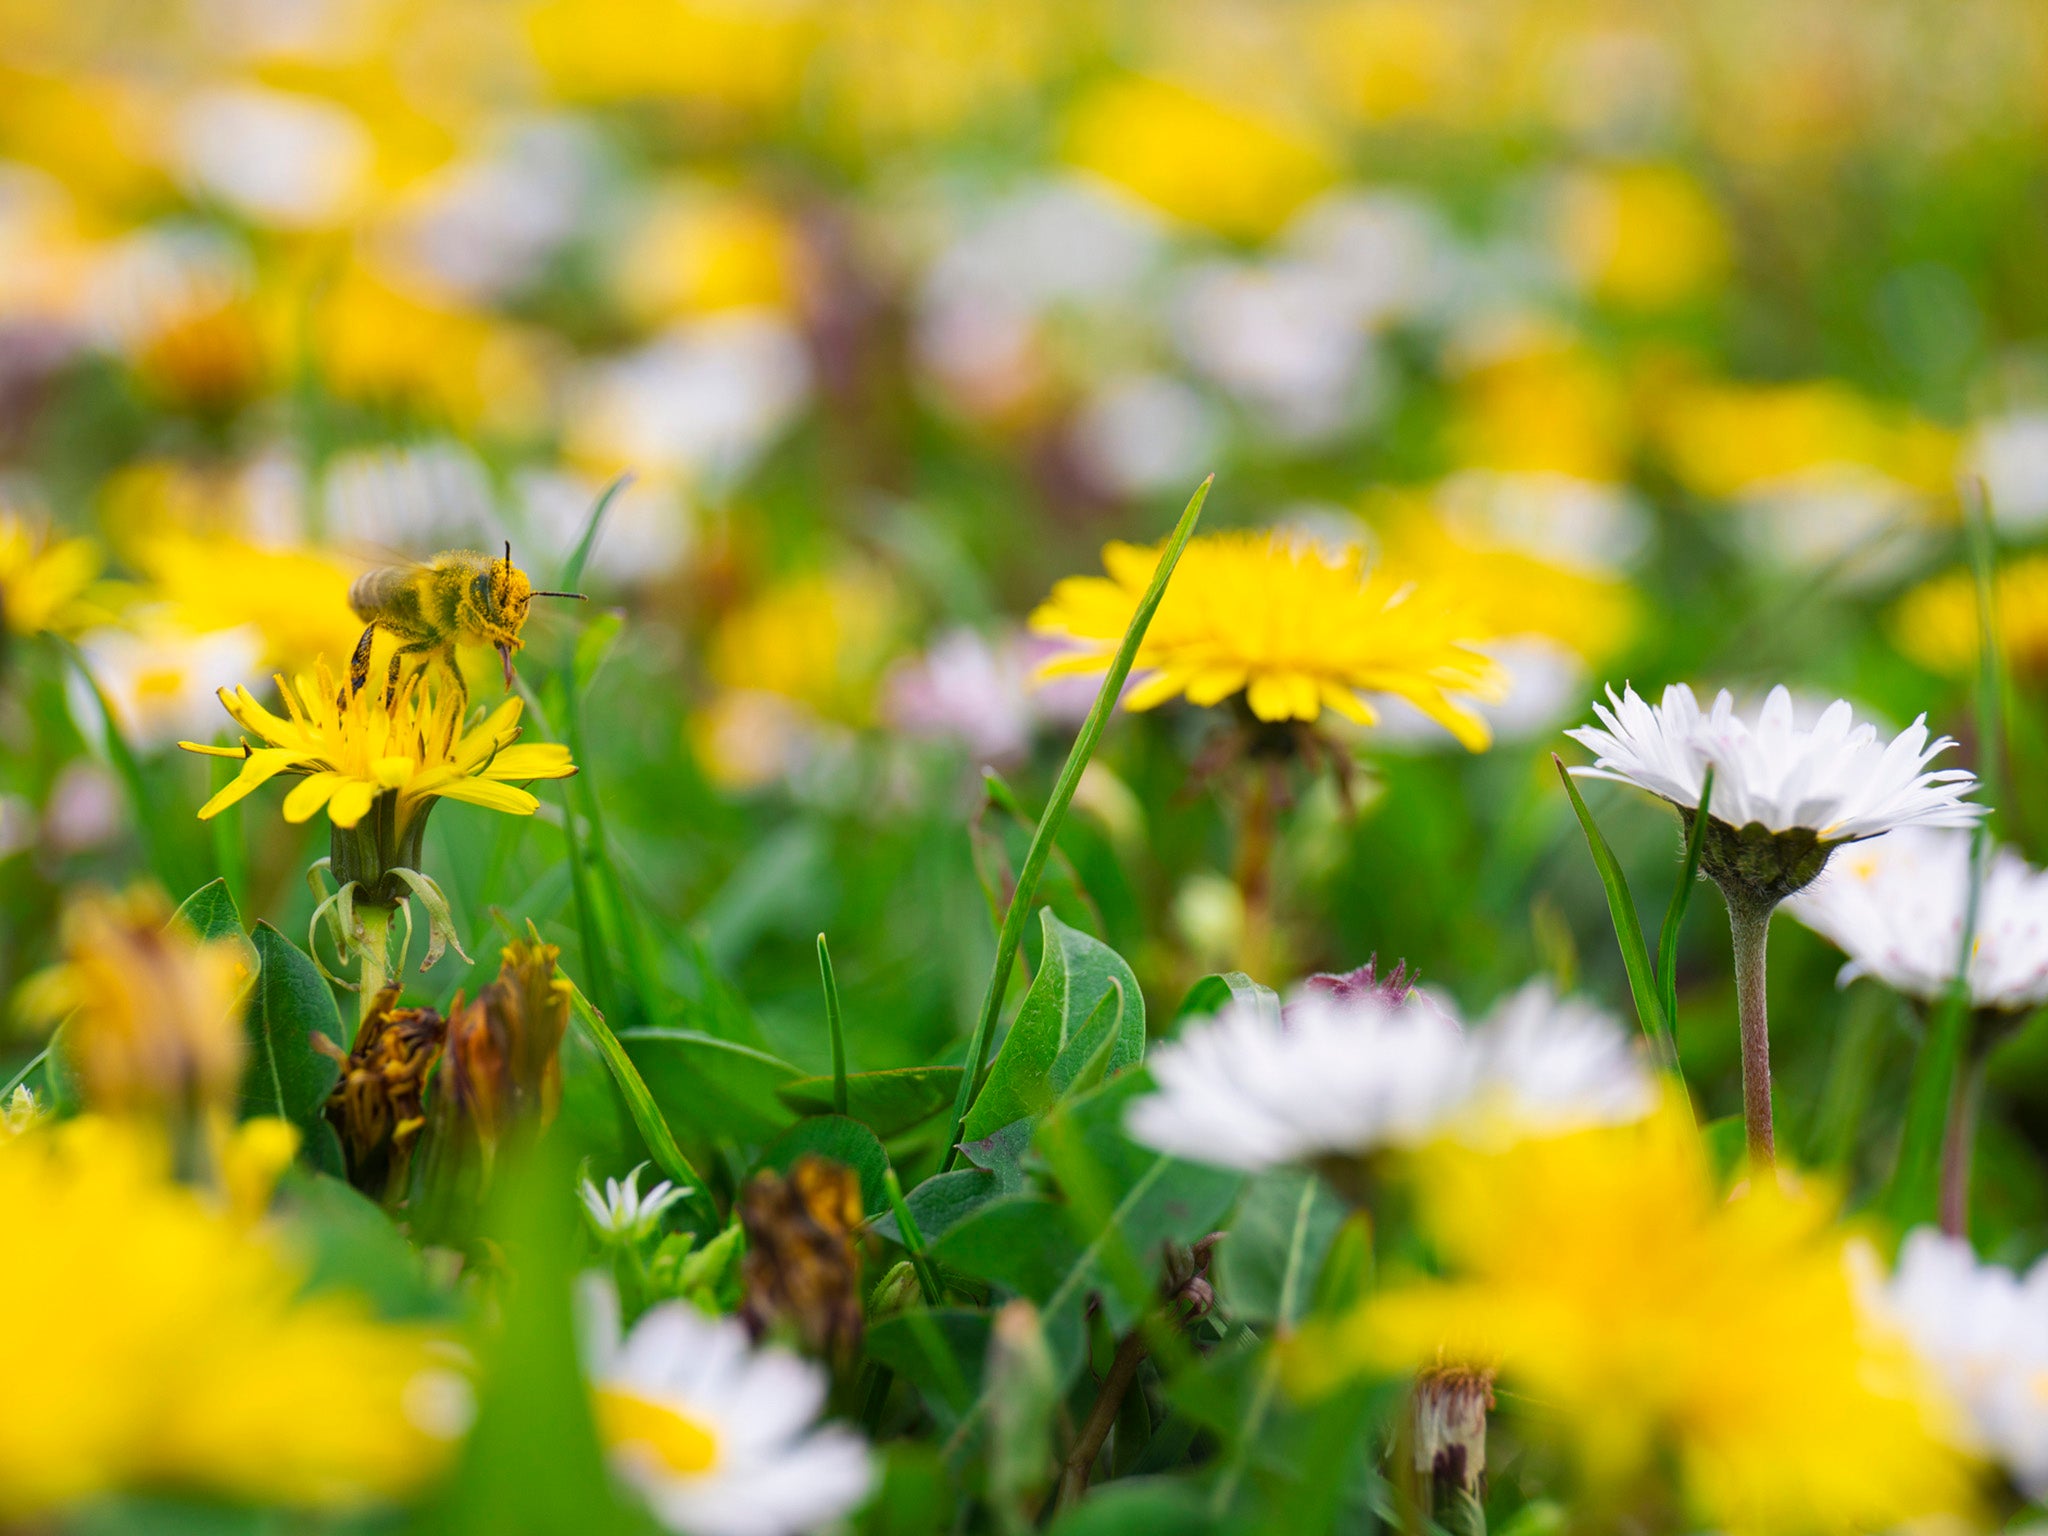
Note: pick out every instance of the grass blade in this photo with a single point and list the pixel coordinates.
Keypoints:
(1628, 930)
(1990, 656)
(1674, 915)
(572, 570)
(913, 1240)
(1012, 932)
(661, 1142)
(128, 768)
(836, 1024)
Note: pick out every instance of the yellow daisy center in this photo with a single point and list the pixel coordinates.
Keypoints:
(678, 1442)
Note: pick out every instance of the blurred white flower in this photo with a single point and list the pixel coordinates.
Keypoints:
(703, 400)
(646, 533)
(2011, 454)
(1584, 525)
(279, 158)
(147, 282)
(965, 688)
(1377, 253)
(720, 1438)
(1858, 526)
(1982, 1332)
(620, 1212)
(1347, 1077)
(1896, 905)
(1834, 779)
(414, 500)
(1143, 433)
(160, 679)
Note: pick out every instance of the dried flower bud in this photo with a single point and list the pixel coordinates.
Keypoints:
(1185, 1285)
(802, 1269)
(504, 1049)
(1451, 1404)
(378, 1105)
(154, 1012)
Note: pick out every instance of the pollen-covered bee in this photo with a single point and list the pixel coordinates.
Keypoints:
(460, 597)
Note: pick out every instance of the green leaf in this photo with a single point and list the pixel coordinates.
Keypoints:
(350, 1244)
(944, 1199)
(210, 912)
(286, 1076)
(1055, 812)
(572, 571)
(1628, 929)
(710, 1088)
(641, 1105)
(915, 1498)
(1059, 1027)
(1138, 1506)
(841, 1140)
(890, 1101)
(1279, 1237)
(1674, 914)
(1212, 994)
(941, 1351)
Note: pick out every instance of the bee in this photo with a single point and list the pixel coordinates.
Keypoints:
(459, 597)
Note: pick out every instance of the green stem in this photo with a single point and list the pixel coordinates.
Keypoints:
(1749, 924)
(1012, 933)
(1959, 1141)
(375, 973)
(836, 1024)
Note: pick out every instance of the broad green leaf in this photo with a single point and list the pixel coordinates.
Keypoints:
(915, 1498)
(210, 912)
(940, 1351)
(942, 1200)
(1279, 1236)
(640, 1104)
(711, 1089)
(842, 1141)
(1212, 994)
(1059, 1027)
(286, 1076)
(889, 1102)
(1138, 1506)
(349, 1244)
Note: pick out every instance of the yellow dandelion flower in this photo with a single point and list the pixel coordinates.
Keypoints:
(1295, 629)
(1649, 1322)
(356, 753)
(1724, 440)
(155, 1013)
(43, 577)
(1642, 236)
(1506, 593)
(820, 640)
(296, 599)
(1936, 623)
(173, 1345)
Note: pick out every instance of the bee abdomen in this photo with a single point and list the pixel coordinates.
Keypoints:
(376, 594)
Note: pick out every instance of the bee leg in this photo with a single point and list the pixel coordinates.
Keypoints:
(359, 665)
(397, 666)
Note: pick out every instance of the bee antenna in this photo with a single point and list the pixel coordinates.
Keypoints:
(508, 551)
(577, 595)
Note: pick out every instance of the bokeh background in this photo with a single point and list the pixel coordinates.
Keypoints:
(1665, 333)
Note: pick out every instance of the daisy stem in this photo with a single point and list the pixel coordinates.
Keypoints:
(1749, 924)
(1959, 1141)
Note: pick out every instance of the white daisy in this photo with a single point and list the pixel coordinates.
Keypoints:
(1896, 906)
(1345, 1078)
(1835, 779)
(621, 1212)
(717, 1436)
(1982, 1331)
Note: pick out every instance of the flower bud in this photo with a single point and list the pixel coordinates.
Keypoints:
(378, 1105)
(153, 1014)
(802, 1270)
(504, 1049)
(1451, 1404)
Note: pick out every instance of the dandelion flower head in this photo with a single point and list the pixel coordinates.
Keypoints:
(1294, 628)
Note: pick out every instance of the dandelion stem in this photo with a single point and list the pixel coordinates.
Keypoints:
(375, 974)
(1749, 924)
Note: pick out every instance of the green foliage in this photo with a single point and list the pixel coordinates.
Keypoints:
(840, 1140)
(286, 1076)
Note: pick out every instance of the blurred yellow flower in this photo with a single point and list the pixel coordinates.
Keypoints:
(920, 68)
(155, 1018)
(735, 55)
(172, 1345)
(43, 577)
(702, 249)
(1388, 60)
(355, 751)
(1725, 439)
(1503, 592)
(819, 640)
(1296, 629)
(295, 599)
(1209, 162)
(1541, 405)
(1936, 623)
(1642, 236)
(1639, 1314)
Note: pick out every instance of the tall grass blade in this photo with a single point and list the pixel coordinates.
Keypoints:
(1674, 915)
(148, 819)
(1012, 932)
(572, 570)
(1628, 930)
(837, 1025)
(647, 1118)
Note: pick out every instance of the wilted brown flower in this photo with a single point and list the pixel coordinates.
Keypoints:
(155, 1019)
(802, 1268)
(378, 1106)
(1451, 1404)
(504, 1049)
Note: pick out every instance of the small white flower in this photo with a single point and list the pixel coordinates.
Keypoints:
(717, 1436)
(1982, 1331)
(1344, 1078)
(1835, 779)
(621, 1212)
(1896, 907)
